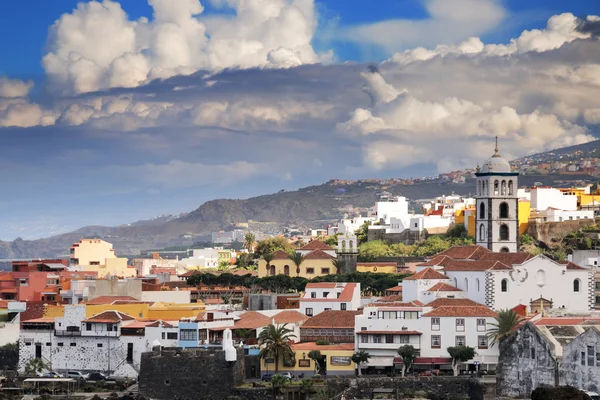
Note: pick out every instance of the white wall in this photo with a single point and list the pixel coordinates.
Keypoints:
(415, 289)
(561, 215)
(391, 209)
(470, 287)
(543, 198)
(172, 296)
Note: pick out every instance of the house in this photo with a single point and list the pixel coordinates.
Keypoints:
(430, 328)
(323, 296)
(317, 262)
(332, 326)
(383, 267)
(504, 280)
(550, 351)
(98, 256)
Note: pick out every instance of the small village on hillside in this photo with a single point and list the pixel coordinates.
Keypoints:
(479, 288)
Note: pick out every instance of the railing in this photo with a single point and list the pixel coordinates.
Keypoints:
(67, 333)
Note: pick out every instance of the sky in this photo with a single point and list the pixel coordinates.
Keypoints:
(116, 111)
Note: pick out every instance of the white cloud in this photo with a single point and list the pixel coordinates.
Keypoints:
(97, 46)
(13, 88)
(449, 21)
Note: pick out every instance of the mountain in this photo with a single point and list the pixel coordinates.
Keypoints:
(310, 207)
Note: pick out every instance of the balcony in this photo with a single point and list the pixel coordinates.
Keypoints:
(384, 346)
(67, 333)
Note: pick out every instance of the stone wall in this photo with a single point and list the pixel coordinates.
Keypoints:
(549, 232)
(407, 237)
(525, 362)
(190, 374)
(584, 349)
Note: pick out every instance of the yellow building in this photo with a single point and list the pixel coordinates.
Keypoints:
(467, 217)
(524, 214)
(90, 252)
(337, 356)
(316, 263)
(377, 267)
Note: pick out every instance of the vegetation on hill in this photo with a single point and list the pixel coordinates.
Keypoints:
(586, 238)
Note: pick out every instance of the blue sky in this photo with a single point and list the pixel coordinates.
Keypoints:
(267, 98)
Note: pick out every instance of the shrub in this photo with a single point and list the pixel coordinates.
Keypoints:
(323, 342)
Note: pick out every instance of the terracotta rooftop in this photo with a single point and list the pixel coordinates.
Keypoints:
(427, 273)
(391, 298)
(508, 258)
(473, 252)
(388, 333)
(321, 285)
(571, 265)
(110, 316)
(461, 311)
(475, 265)
(316, 245)
(443, 302)
(437, 260)
(443, 287)
(332, 319)
(394, 289)
(414, 303)
(290, 317)
(318, 255)
(567, 321)
(345, 295)
(156, 324)
(281, 255)
(109, 300)
(252, 320)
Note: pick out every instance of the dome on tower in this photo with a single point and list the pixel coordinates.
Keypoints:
(496, 163)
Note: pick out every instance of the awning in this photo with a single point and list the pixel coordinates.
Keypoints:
(433, 360)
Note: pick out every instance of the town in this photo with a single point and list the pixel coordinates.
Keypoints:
(485, 306)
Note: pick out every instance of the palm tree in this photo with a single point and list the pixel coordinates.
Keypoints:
(506, 322)
(249, 241)
(278, 382)
(35, 366)
(358, 358)
(275, 343)
(298, 259)
(339, 265)
(306, 387)
(268, 258)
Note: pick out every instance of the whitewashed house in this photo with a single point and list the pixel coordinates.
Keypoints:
(322, 296)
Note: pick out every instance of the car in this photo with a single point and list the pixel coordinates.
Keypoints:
(286, 375)
(75, 375)
(593, 395)
(96, 376)
(267, 377)
(51, 374)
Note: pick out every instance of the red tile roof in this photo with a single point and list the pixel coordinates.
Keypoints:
(567, 321)
(281, 255)
(394, 289)
(110, 316)
(508, 258)
(388, 333)
(391, 298)
(316, 245)
(318, 255)
(290, 317)
(571, 265)
(443, 287)
(435, 261)
(252, 320)
(414, 303)
(473, 252)
(475, 265)
(345, 295)
(461, 311)
(156, 324)
(109, 300)
(453, 303)
(427, 273)
(321, 285)
(315, 346)
(332, 319)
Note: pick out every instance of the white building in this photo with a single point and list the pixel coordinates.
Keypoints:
(109, 342)
(543, 198)
(237, 235)
(201, 258)
(383, 211)
(505, 280)
(556, 215)
(430, 329)
(350, 225)
(322, 296)
(497, 220)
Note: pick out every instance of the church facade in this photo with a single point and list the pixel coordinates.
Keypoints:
(497, 205)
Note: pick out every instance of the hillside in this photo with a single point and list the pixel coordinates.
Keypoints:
(314, 206)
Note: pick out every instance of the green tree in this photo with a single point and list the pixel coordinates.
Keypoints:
(249, 241)
(277, 283)
(244, 261)
(506, 322)
(457, 231)
(373, 250)
(297, 259)
(268, 257)
(275, 343)
(306, 387)
(332, 240)
(278, 382)
(271, 245)
(362, 233)
(460, 354)
(224, 265)
(409, 355)
(319, 360)
(339, 265)
(358, 358)
(35, 366)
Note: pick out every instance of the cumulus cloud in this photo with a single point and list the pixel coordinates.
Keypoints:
(449, 21)
(97, 46)
(13, 88)
(405, 130)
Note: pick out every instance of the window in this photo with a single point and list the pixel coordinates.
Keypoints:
(482, 210)
(327, 309)
(510, 188)
(163, 335)
(343, 306)
(503, 210)
(94, 262)
(540, 277)
(313, 295)
(504, 234)
(376, 338)
(466, 284)
(389, 338)
(387, 315)
(73, 344)
(576, 284)
(189, 334)
(590, 356)
(460, 341)
(436, 341)
(503, 188)
(325, 294)
(460, 324)
(60, 344)
(172, 335)
(482, 342)
(364, 338)
(495, 188)
(504, 285)
(325, 271)
(404, 339)
(202, 335)
(583, 358)
(504, 250)
(338, 294)
(99, 345)
(411, 315)
(286, 270)
(309, 312)
(481, 324)
(88, 326)
(435, 324)
(477, 283)
(310, 271)
(481, 232)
